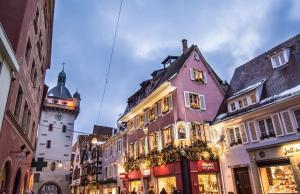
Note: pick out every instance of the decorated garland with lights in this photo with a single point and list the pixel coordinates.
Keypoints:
(197, 151)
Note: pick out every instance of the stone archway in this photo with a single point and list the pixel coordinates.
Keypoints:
(50, 188)
(5, 175)
(17, 182)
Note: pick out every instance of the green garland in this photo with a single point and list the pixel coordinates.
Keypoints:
(197, 151)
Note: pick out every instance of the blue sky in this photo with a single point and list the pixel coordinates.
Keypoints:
(228, 33)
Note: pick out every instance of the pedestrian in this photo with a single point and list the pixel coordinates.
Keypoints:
(163, 191)
(133, 191)
(123, 191)
(151, 190)
(141, 191)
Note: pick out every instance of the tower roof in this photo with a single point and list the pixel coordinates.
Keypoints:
(60, 90)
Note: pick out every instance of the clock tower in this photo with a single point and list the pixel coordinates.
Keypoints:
(53, 149)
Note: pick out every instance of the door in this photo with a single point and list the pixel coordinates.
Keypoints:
(242, 181)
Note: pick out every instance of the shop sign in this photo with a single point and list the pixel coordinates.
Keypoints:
(123, 176)
(146, 172)
(207, 166)
(291, 149)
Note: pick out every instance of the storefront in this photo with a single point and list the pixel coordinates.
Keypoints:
(167, 176)
(205, 177)
(132, 181)
(278, 168)
(109, 189)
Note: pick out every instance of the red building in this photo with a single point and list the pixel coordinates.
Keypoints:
(168, 127)
(28, 25)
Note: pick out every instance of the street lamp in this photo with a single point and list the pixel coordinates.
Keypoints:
(60, 165)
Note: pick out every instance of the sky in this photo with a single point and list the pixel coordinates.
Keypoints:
(228, 33)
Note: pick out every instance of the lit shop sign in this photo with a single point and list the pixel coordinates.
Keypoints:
(146, 172)
(291, 149)
(123, 176)
(207, 166)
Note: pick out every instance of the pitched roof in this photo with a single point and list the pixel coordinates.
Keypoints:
(260, 69)
(102, 130)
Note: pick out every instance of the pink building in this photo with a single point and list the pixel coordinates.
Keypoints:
(168, 127)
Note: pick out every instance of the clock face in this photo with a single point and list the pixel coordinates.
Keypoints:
(58, 117)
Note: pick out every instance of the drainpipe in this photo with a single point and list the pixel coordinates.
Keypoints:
(185, 174)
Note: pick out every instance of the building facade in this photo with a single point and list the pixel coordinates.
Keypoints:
(259, 122)
(113, 158)
(52, 165)
(28, 25)
(168, 127)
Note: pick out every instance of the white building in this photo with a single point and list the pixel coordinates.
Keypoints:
(8, 65)
(54, 145)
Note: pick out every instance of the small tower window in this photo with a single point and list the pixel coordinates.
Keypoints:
(48, 144)
(64, 129)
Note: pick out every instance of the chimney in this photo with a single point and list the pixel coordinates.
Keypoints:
(184, 46)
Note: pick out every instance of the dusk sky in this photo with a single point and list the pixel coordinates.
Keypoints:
(228, 33)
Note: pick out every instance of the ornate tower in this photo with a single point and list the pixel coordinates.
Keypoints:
(54, 143)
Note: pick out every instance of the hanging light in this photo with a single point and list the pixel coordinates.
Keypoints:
(60, 165)
(94, 140)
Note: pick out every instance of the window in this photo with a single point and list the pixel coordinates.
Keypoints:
(198, 132)
(297, 117)
(48, 144)
(196, 56)
(167, 104)
(142, 146)
(280, 58)
(266, 128)
(152, 113)
(152, 141)
(167, 136)
(35, 21)
(131, 150)
(141, 121)
(245, 102)
(194, 101)
(25, 115)
(241, 104)
(50, 127)
(234, 136)
(181, 131)
(64, 129)
(232, 105)
(28, 51)
(253, 98)
(198, 76)
(18, 103)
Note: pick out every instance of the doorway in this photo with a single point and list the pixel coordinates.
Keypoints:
(242, 181)
(5, 177)
(16, 188)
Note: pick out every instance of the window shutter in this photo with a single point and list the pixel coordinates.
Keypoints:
(192, 74)
(159, 108)
(202, 102)
(205, 77)
(287, 122)
(252, 131)
(244, 133)
(277, 125)
(170, 101)
(187, 99)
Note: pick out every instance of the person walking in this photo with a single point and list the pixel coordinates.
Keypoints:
(163, 191)
(133, 191)
(151, 190)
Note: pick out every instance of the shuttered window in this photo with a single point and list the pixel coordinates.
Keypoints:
(197, 75)
(266, 128)
(252, 130)
(287, 122)
(277, 125)
(194, 100)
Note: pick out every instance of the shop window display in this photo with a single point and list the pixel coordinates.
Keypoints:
(168, 183)
(208, 184)
(278, 179)
(135, 185)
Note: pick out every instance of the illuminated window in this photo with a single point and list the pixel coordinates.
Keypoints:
(197, 132)
(141, 120)
(234, 136)
(181, 131)
(152, 141)
(167, 136)
(194, 101)
(198, 76)
(208, 183)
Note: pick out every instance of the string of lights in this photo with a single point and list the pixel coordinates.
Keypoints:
(109, 64)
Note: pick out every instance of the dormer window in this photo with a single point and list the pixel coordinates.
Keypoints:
(232, 105)
(253, 98)
(280, 58)
(198, 76)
